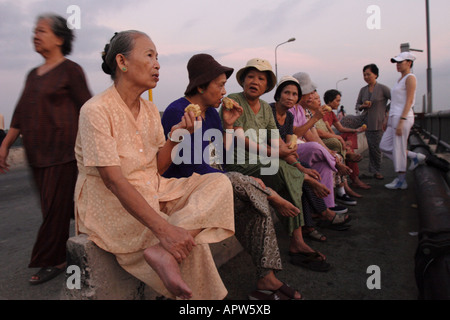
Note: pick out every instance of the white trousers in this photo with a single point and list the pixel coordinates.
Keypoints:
(396, 147)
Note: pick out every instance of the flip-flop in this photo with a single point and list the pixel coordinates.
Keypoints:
(45, 274)
(310, 260)
(378, 176)
(285, 292)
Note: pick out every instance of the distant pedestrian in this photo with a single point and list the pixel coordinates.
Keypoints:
(46, 116)
(341, 114)
(2, 128)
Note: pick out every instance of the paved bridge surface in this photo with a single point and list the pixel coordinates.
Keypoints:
(383, 234)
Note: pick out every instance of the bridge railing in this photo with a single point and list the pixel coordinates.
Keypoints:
(436, 126)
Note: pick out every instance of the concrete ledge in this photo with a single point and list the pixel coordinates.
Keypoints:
(102, 278)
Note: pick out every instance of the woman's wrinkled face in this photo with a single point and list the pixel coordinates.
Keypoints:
(289, 96)
(44, 39)
(369, 76)
(315, 101)
(215, 91)
(142, 64)
(307, 99)
(255, 83)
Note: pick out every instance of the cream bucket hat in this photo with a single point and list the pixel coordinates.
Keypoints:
(260, 65)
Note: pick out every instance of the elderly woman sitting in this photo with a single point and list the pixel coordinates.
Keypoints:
(158, 229)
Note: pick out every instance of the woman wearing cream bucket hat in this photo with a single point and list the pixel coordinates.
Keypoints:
(260, 65)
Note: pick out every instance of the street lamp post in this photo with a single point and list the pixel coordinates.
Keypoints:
(429, 76)
(405, 47)
(276, 66)
(340, 81)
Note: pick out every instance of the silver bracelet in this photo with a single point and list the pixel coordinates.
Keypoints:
(175, 141)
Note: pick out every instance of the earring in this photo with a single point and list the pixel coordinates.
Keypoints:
(124, 69)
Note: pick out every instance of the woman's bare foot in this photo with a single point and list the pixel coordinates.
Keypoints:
(350, 191)
(358, 183)
(329, 215)
(298, 244)
(283, 207)
(272, 283)
(320, 189)
(168, 270)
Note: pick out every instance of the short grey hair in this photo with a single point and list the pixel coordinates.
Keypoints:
(59, 27)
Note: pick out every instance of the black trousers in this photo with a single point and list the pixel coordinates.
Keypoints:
(56, 185)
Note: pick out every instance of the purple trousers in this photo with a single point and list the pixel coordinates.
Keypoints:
(317, 157)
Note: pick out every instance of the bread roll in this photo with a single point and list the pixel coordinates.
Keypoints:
(195, 108)
(227, 103)
(293, 143)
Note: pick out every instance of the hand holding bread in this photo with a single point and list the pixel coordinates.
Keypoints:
(327, 108)
(195, 108)
(227, 103)
(293, 143)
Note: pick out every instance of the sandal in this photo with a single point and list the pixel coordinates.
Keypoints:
(310, 260)
(378, 176)
(285, 292)
(45, 274)
(316, 235)
(338, 223)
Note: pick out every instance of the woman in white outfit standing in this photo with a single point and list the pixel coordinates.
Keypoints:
(394, 142)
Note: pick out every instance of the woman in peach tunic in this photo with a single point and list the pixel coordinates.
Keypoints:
(158, 228)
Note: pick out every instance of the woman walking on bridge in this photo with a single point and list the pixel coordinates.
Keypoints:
(46, 116)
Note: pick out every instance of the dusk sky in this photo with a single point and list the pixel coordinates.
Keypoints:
(334, 40)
